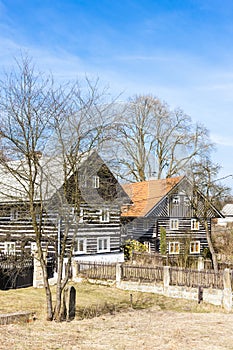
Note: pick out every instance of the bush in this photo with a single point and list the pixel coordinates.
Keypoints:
(131, 245)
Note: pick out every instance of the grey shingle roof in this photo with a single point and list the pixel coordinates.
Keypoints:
(14, 179)
(227, 210)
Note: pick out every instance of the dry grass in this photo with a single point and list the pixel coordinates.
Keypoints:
(155, 322)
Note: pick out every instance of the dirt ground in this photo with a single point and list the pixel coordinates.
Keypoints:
(136, 329)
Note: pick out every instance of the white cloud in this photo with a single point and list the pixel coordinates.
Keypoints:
(222, 140)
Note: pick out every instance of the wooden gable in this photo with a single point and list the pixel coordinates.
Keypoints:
(166, 198)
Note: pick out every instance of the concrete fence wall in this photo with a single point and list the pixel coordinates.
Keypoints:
(221, 297)
(209, 295)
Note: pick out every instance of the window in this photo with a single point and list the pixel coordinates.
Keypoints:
(187, 201)
(14, 214)
(194, 224)
(176, 200)
(103, 245)
(83, 181)
(80, 246)
(174, 224)
(96, 181)
(104, 215)
(174, 247)
(33, 247)
(9, 248)
(81, 215)
(77, 216)
(195, 247)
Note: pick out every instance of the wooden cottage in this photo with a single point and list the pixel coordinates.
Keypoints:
(88, 204)
(167, 207)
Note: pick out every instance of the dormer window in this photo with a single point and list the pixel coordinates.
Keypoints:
(96, 181)
(187, 201)
(176, 200)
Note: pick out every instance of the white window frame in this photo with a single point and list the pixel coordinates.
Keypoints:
(96, 181)
(174, 224)
(33, 247)
(14, 214)
(9, 248)
(78, 242)
(195, 244)
(81, 215)
(195, 224)
(104, 215)
(176, 199)
(174, 247)
(103, 244)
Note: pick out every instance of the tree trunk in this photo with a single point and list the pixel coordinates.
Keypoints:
(211, 247)
(58, 306)
(48, 293)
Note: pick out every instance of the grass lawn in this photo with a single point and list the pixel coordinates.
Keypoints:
(94, 300)
(106, 320)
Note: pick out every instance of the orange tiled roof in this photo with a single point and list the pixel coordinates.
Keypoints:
(146, 194)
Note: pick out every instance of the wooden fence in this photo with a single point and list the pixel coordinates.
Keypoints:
(178, 276)
(94, 270)
(195, 278)
(142, 273)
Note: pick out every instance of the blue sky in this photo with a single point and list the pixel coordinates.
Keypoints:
(178, 50)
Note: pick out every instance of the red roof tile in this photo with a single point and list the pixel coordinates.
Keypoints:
(146, 194)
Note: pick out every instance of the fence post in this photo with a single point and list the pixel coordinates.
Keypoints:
(37, 273)
(166, 278)
(200, 263)
(118, 274)
(227, 290)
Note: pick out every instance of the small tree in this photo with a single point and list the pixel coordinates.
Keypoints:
(132, 245)
(163, 241)
(63, 123)
(206, 190)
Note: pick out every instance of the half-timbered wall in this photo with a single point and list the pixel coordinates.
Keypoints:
(148, 230)
(19, 229)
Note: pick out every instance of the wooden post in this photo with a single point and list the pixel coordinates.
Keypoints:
(118, 273)
(200, 294)
(200, 263)
(166, 276)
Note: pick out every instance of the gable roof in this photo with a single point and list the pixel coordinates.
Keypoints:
(227, 210)
(146, 194)
(50, 178)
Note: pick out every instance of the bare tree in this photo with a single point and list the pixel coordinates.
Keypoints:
(206, 185)
(150, 139)
(61, 123)
(81, 130)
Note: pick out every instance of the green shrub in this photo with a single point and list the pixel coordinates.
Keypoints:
(131, 245)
